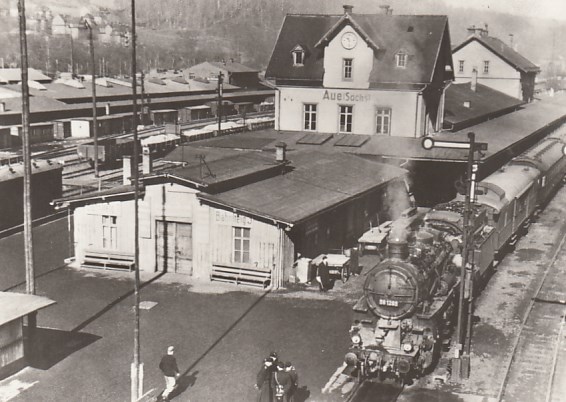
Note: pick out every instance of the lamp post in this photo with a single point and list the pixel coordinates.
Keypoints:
(220, 88)
(467, 269)
(88, 24)
(137, 366)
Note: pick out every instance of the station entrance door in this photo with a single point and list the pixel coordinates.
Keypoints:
(174, 247)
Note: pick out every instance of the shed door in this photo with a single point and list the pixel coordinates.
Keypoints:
(174, 247)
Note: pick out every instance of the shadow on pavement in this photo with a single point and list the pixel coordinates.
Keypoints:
(207, 351)
(302, 394)
(50, 346)
(185, 382)
(114, 303)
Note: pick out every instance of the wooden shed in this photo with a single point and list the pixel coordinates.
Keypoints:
(13, 308)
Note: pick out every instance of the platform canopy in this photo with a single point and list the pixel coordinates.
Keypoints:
(17, 305)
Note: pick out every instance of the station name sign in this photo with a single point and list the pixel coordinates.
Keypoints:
(346, 96)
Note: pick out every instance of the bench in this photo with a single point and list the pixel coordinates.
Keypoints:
(108, 260)
(241, 276)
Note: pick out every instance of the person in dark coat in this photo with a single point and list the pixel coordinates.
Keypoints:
(289, 368)
(323, 274)
(168, 366)
(263, 381)
(281, 384)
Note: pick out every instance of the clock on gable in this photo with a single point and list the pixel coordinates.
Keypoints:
(349, 40)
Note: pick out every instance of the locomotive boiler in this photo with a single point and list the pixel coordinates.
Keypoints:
(406, 305)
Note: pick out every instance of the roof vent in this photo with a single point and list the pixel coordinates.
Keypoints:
(348, 8)
(467, 104)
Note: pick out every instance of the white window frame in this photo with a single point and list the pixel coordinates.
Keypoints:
(486, 66)
(401, 59)
(383, 120)
(348, 118)
(347, 69)
(461, 66)
(109, 232)
(298, 57)
(241, 244)
(310, 116)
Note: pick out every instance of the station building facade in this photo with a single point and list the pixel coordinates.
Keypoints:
(361, 74)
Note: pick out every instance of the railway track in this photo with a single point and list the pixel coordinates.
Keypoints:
(538, 363)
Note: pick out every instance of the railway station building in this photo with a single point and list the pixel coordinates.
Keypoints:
(250, 211)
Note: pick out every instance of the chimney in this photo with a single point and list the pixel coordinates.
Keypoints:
(472, 30)
(385, 9)
(347, 9)
(147, 163)
(127, 170)
(474, 82)
(485, 31)
(511, 40)
(2, 107)
(280, 152)
(107, 108)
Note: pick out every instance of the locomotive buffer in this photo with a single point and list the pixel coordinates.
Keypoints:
(461, 362)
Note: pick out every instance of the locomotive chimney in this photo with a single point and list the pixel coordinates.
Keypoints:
(397, 245)
(474, 82)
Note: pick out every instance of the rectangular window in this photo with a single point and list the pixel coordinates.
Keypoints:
(347, 65)
(401, 59)
(383, 118)
(241, 245)
(310, 116)
(486, 67)
(298, 58)
(346, 116)
(460, 66)
(109, 232)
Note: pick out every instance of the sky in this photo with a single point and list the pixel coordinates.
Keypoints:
(554, 9)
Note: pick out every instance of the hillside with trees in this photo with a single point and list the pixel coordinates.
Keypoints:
(179, 33)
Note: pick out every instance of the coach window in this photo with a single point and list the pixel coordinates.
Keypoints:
(309, 112)
(383, 121)
(346, 118)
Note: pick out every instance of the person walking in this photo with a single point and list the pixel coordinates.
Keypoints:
(281, 384)
(168, 366)
(263, 381)
(289, 368)
(323, 274)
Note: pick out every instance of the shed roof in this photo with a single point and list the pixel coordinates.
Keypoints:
(17, 305)
(15, 171)
(484, 102)
(230, 66)
(421, 36)
(504, 51)
(318, 181)
(15, 75)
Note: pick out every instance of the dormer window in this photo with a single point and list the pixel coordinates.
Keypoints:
(298, 55)
(401, 59)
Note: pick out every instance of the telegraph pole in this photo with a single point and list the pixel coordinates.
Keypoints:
(461, 364)
(94, 122)
(137, 366)
(28, 233)
(220, 88)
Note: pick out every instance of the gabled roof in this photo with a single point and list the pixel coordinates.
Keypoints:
(504, 51)
(421, 35)
(319, 181)
(485, 103)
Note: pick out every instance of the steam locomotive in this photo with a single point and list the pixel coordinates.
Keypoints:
(409, 299)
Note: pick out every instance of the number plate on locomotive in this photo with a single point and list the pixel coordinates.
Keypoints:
(386, 302)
